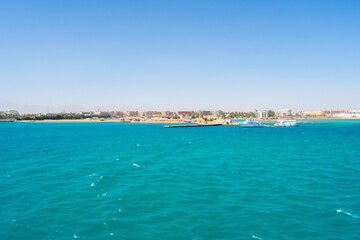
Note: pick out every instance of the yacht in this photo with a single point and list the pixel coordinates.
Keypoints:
(250, 123)
(286, 123)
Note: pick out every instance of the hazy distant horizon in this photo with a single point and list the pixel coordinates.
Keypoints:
(24, 109)
(179, 55)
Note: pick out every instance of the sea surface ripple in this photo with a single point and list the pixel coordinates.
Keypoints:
(143, 181)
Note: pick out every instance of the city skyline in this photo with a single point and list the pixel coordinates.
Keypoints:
(78, 109)
(233, 56)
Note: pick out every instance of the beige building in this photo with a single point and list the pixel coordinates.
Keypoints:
(283, 113)
(313, 113)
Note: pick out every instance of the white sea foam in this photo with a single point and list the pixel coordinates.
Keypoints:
(104, 194)
(135, 165)
(347, 213)
(111, 234)
(117, 159)
(75, 236)
(120, 211)
(100, 178)
(256, 237)
(93, 184)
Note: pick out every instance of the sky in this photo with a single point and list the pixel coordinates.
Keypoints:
(179, 55)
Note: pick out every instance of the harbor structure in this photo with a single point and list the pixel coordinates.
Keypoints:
(193, 125)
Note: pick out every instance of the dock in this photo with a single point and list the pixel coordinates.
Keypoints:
(193, 125)
(212, 125)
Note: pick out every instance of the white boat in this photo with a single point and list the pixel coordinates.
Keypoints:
(286, 123)
(250, 123)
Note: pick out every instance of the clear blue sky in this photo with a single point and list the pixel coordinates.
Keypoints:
(179, 55)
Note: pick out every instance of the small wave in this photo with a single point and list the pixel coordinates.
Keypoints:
(93, 185)
(256, 237)
(138, 145)
(100, 178)
(135, 165)
(117, 159)
(347, 213)
(104, 194)
(75, 236)
(120, 211)
(111, 234)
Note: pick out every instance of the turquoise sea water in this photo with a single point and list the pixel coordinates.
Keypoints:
(143, 181)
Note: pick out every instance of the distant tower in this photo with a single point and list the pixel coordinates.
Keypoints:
(325, 109)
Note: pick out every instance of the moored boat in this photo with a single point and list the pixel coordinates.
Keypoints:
(250, 123)
(286, 123)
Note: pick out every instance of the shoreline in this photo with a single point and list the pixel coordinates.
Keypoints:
(166, 121)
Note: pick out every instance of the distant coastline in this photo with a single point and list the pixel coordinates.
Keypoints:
(199, 116)
(114, 120)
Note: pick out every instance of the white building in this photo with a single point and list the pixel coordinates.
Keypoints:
(349, 114)
(263, 114)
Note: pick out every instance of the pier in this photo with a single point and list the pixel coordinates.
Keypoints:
(210, 125)
(193, 125)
